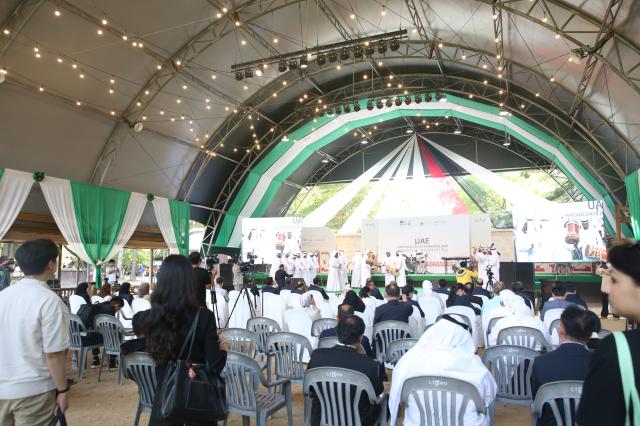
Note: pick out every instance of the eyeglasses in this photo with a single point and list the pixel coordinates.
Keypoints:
(455, 321)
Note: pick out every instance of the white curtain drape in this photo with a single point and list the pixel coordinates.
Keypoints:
(59, 197)
(136, 205)
(163, 216)
(14, 189)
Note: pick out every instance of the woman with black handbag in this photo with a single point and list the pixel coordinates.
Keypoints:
(183, 340)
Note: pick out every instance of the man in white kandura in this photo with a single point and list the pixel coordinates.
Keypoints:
(343, 268)
(238, 276)
(521, 315)
(445, 349)
(481, 255)
(298, 268)
(288, 263)
(275, 264)
(389, 266)
(525, 242)
(356, 270)
(401, 267)
(367, 265)
(313, 270)
(333, 278)
(306, 264)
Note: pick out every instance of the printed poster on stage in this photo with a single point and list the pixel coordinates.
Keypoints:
(560, 232)
(264, 237)
(425, 241)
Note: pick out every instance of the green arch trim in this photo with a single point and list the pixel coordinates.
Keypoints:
(487, 116)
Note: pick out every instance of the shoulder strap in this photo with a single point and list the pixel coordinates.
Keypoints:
(629, 390)
(190, 337)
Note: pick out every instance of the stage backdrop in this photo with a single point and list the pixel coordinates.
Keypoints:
(318, 239)
(266, 236)
(562, 232)
(426, 240)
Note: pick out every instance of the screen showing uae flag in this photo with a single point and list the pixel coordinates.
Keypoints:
(560, 232)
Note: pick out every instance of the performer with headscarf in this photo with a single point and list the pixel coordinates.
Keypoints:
(450, 352)
(356, 270)
(333, 278)
(367, 265)
(390, 268)
(315, 264)
(401, 267)
(342, 272)
(519, 314)
(275, 264)
(288, 263)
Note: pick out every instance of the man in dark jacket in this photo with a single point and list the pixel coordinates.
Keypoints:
(571, 296)
(350, 355)
(316, 287)
(394, 309)
(442, 287)
(407, 297)
(570, 361)
(281, 276)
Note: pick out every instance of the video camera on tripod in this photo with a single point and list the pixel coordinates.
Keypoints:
(247, 265)
(211, 262)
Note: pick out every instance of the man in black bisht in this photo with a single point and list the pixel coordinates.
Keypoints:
(201, 279)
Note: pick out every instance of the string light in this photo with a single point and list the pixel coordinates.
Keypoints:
(6, 31)
(557, 36)
(184, 87)
(81, 75)
(59, 60)
(78, 103)
(99, 31)
(74, 66)
(146, 92)
(124, 37)
(113, 113)
(57, 12)
(111, 91)
(41, 89)
(384, 10)
(213, 76)
(161, 112)
(275, 40)
(104, 21)
(158, 67)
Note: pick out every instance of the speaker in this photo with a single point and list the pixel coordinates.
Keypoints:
(518, 271)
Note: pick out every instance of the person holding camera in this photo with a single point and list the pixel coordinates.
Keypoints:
(6, 268)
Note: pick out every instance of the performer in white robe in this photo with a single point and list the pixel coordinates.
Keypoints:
(333, 278)
(313, 269)
(521, 315)
(291, 244)
(356, 270)
(287, 261)
(401, 266)
(445, 349)
(388, 265)
(365, 272)
(525, 243)
(306, 264)
(482, 259)
(343, 268)
(275, 264)
(298, 267)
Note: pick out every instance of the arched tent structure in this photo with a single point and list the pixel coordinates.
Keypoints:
(86, 73)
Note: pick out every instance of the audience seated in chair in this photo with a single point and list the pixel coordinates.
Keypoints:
(143, 291)
(351, 298)
(479, 290)
(570, 361)
(407, 296)
(298, 287)
(349, 354)
(518, 315)
(442, 287)
(394, 309)
(316, 287)
(461, 296)
(493, 302)
(572, 296)
(345, 311)
(270, 286)
(138, 344)
(308, 305)
(125, 293)
(88, 314)
(81, 290)
(105, 290)
(559, 292)
(373, 290)
(446, 349)
(518, 288)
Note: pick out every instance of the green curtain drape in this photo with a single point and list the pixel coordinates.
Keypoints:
(180, 216)
(633, 199)
(1, 172)
(99, 213)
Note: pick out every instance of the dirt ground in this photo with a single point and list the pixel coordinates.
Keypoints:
(109, 404)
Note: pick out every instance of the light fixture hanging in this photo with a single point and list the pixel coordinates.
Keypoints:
(344, 53)
(394, 45)
(282, 66)
(304, 62)
(333, 55)
(239, 75)
(382, 47)
(293, 64)
(321, 59)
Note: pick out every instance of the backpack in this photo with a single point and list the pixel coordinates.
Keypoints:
(87, 313)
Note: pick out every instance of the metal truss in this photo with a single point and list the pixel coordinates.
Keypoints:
(605, 34)
(624, 57)
(429, 44)
(15, 22)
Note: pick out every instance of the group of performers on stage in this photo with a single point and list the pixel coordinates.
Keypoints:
(302, 265)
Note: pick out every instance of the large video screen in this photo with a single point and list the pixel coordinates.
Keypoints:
(264, 237)
(560, 232)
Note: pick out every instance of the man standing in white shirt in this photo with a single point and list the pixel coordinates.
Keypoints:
(34, 325)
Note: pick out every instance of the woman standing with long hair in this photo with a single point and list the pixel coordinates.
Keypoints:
(610, 391)
(173, 310)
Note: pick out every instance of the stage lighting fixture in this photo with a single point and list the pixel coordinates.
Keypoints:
(382, 46)
(439, 96)
(333, 55)
(407, 100)
(259, 72)
(394, 45)
(344, 53)
(370, 50)
(398, 101)
(282, 66)
(321, 59)
(427, 98)
(293, 64)
(347, 108)
(443, 97)
(357, 52)
(379, 104)
(239, 75)
(418, 99)
(369, 105)
(457, 131)
(248, 73)
(137, 127)
(503, 112)
(356, 107)
(388, 103)
(304, 62)
(338, 109)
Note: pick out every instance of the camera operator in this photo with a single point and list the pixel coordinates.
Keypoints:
(6, 268)
(201, 279)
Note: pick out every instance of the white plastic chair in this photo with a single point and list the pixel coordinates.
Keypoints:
(334, 302)
(443, 297)
(272, 308)
(241, 313)
(476, 322)
(549, 317)
(221, 311)
(140, 305)
(293, 301)
(124, 313)
(417, 323)
(298, 322)
(325, 310)
(75, 302)
(317, 296)
(431, 307)
(96, 299)
(285, 295)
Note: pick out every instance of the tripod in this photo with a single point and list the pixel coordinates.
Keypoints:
(489, 284)
(243, 293)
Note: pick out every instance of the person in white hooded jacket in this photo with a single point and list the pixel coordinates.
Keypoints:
(450, 351)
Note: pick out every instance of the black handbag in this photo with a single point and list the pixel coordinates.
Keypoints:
(192, 392)
(59, 418)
